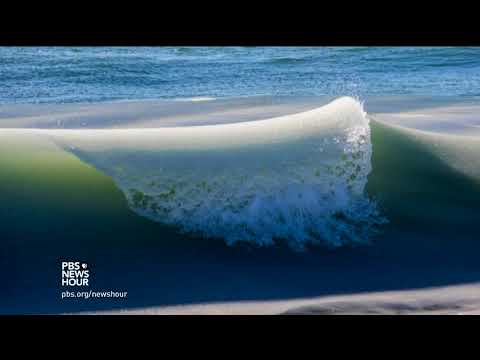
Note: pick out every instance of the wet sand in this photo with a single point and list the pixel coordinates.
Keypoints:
(453, 300)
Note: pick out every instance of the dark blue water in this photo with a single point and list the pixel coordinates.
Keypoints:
(38, 75)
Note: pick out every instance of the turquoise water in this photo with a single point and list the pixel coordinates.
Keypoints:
(64, 75)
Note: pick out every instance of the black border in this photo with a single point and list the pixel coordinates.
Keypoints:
(316, 37)
(235, 336)
(242, 23)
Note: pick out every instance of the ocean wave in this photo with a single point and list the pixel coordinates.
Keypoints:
(298, 178)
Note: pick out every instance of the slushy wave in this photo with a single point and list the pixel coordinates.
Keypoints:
(298, 178)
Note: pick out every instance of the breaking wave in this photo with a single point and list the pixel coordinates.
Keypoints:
(298, 178)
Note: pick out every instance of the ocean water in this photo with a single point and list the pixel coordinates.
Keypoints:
(67, 194)
(331, 187)
(84, 74)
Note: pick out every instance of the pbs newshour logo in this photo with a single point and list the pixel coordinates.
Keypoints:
(75, 273)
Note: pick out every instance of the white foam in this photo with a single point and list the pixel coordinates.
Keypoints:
(196, 98)
(299, 177)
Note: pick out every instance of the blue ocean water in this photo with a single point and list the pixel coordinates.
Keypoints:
(91, 74)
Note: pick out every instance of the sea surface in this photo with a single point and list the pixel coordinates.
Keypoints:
(93, 74)
(204, 175)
